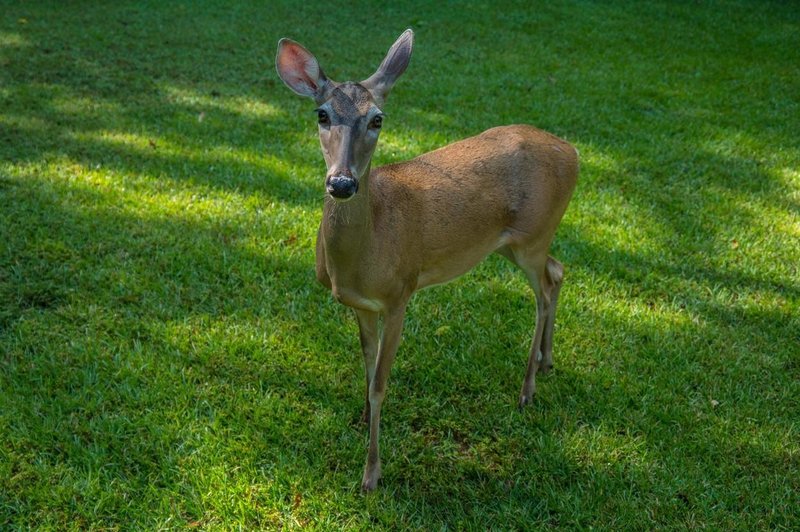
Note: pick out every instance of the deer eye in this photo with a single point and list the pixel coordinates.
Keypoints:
(323, 117)
(376, 122)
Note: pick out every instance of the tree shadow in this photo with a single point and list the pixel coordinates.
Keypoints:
(146, 113)
(117, 355)
(614, 420)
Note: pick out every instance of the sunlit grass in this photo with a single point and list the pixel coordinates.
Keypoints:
(247, 106)
(167, 359)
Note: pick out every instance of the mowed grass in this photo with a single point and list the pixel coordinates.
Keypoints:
(167, 359)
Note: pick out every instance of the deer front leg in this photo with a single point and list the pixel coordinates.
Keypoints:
(368, 333)
(390, 339)
(535, 356)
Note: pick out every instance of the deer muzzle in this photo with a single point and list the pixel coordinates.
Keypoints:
(341, 187)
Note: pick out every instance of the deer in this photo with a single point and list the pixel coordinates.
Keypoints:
(390, 231)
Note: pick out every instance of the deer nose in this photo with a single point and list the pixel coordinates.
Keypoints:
(341, 186)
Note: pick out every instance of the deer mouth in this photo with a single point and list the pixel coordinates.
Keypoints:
(341, 187)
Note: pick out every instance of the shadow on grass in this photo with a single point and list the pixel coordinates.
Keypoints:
(189, 151)
(133, 346)
(150, 352)
(619, 419)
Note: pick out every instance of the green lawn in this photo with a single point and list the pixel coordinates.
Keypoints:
(167, 359)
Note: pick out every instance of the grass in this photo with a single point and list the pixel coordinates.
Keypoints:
(168, 361)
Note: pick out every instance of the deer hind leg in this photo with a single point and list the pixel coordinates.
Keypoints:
(541, 272)
(554, 275)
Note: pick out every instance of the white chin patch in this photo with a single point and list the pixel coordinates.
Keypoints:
(341, 200)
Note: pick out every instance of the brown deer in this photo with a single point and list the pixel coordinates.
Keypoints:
(388, 232)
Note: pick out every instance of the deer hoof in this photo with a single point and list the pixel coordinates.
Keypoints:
(545, 368)
(527, 393)
(525, 400)
(371, 477)
(369, 485)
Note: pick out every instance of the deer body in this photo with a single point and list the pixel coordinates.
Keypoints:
(429, 220)
(389, 232)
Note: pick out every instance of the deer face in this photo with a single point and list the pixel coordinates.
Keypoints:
(349, 114)
(349, 124)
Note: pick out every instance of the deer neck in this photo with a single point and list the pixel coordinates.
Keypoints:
(347, 226)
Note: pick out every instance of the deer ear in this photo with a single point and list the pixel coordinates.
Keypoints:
(392, 66)
(301, 72)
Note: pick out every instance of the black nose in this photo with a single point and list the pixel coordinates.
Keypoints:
(341, 187)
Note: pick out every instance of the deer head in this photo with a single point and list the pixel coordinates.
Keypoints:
(349, 114)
